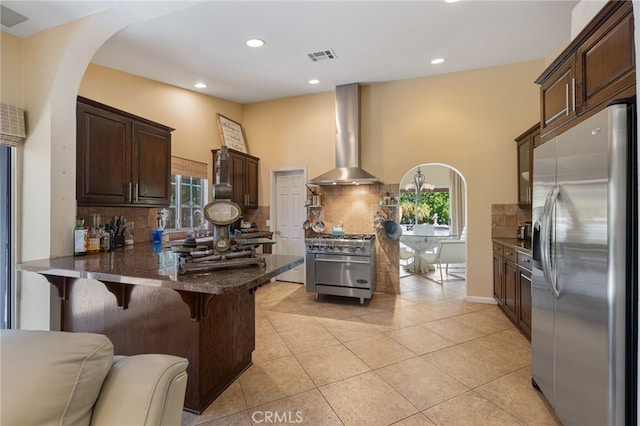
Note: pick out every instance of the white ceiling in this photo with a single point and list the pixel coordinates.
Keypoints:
(375, 41)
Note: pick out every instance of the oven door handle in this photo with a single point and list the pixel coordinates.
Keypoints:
(364, 262)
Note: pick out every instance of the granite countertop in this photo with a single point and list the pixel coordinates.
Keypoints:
(523, 246)
(140, 265)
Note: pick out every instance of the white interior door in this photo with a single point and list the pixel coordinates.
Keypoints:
(288, 217)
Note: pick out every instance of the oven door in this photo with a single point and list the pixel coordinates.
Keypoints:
(343, 270)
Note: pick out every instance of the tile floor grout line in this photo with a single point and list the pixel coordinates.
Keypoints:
(443, 306)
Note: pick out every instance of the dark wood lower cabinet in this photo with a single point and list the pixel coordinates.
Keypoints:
(512, 285)
(510, 305)
(524, 299)
(497, 279)
(218, 344)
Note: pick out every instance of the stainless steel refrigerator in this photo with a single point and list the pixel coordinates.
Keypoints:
(584, 282)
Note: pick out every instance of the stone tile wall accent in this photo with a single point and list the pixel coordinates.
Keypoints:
(354, 206)
(505, 218)
(144, 218)
(258, 216)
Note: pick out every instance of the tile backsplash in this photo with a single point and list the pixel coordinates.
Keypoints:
(144, 219)
(354, 206)
(505, 219)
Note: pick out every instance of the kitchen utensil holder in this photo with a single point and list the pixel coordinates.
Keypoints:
(119, 240)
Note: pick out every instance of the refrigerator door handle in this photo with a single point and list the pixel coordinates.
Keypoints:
(545, 240)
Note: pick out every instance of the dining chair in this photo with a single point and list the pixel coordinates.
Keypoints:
(407, 256)
(449, 251)
(424, 229)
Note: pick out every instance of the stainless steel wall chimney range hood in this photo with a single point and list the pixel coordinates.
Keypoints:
(348, 170)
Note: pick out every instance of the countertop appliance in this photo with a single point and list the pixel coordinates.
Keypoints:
(522, 232)
(341, 265)
(584, 284)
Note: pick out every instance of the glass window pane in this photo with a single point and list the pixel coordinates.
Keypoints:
(6, 260)
(186, 217)
(191, 196)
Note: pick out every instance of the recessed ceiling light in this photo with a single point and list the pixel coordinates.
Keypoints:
(314, 81)
(437, 61)
(255, 42)
(199, 85)
(450, 1)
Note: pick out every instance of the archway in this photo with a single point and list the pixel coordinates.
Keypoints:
(433, 213)
(46, 163)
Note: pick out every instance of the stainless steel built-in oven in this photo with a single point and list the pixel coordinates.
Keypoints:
(342, 266)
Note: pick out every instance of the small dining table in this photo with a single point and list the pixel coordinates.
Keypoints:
(423, 242)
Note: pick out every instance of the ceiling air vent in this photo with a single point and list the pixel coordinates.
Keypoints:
(322, 55)
(10, 17)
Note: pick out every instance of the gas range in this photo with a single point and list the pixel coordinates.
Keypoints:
(354, 244)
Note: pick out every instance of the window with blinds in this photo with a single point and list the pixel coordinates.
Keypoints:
(189, 194)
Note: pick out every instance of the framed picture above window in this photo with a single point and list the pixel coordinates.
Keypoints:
(232, 134)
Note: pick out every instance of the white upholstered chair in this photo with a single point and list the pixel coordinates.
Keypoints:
(61, 378)
(407, 256)
(424, 229)
(449, 251)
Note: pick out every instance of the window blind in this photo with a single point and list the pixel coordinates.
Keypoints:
(12, 128)
(184, 167)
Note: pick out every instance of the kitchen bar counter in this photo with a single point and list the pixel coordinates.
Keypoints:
(140, 265)
(136, 298)
(523, 246)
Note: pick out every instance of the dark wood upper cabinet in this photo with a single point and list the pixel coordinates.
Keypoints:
(122, 159)
(526, 143)
(557, 97)
(243, 177)
(598, 66)
(152, 165)
(606, 60)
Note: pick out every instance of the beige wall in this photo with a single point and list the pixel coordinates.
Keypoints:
(51, 65)
(467, 120)
(11, 76)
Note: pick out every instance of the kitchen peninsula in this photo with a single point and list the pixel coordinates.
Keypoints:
(137, 298)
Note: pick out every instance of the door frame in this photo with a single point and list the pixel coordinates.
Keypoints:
(272, 199)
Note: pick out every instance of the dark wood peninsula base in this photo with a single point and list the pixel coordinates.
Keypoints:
(214, 330)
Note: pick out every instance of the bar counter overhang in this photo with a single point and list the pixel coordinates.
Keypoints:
(136, 297)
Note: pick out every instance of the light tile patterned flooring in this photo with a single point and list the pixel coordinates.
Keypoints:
(419, 358)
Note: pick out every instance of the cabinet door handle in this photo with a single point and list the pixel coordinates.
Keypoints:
(573, 88)
(136, 192)
(566, 98)
(130, 192)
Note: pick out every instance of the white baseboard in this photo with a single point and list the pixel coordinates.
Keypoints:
(475, 299)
